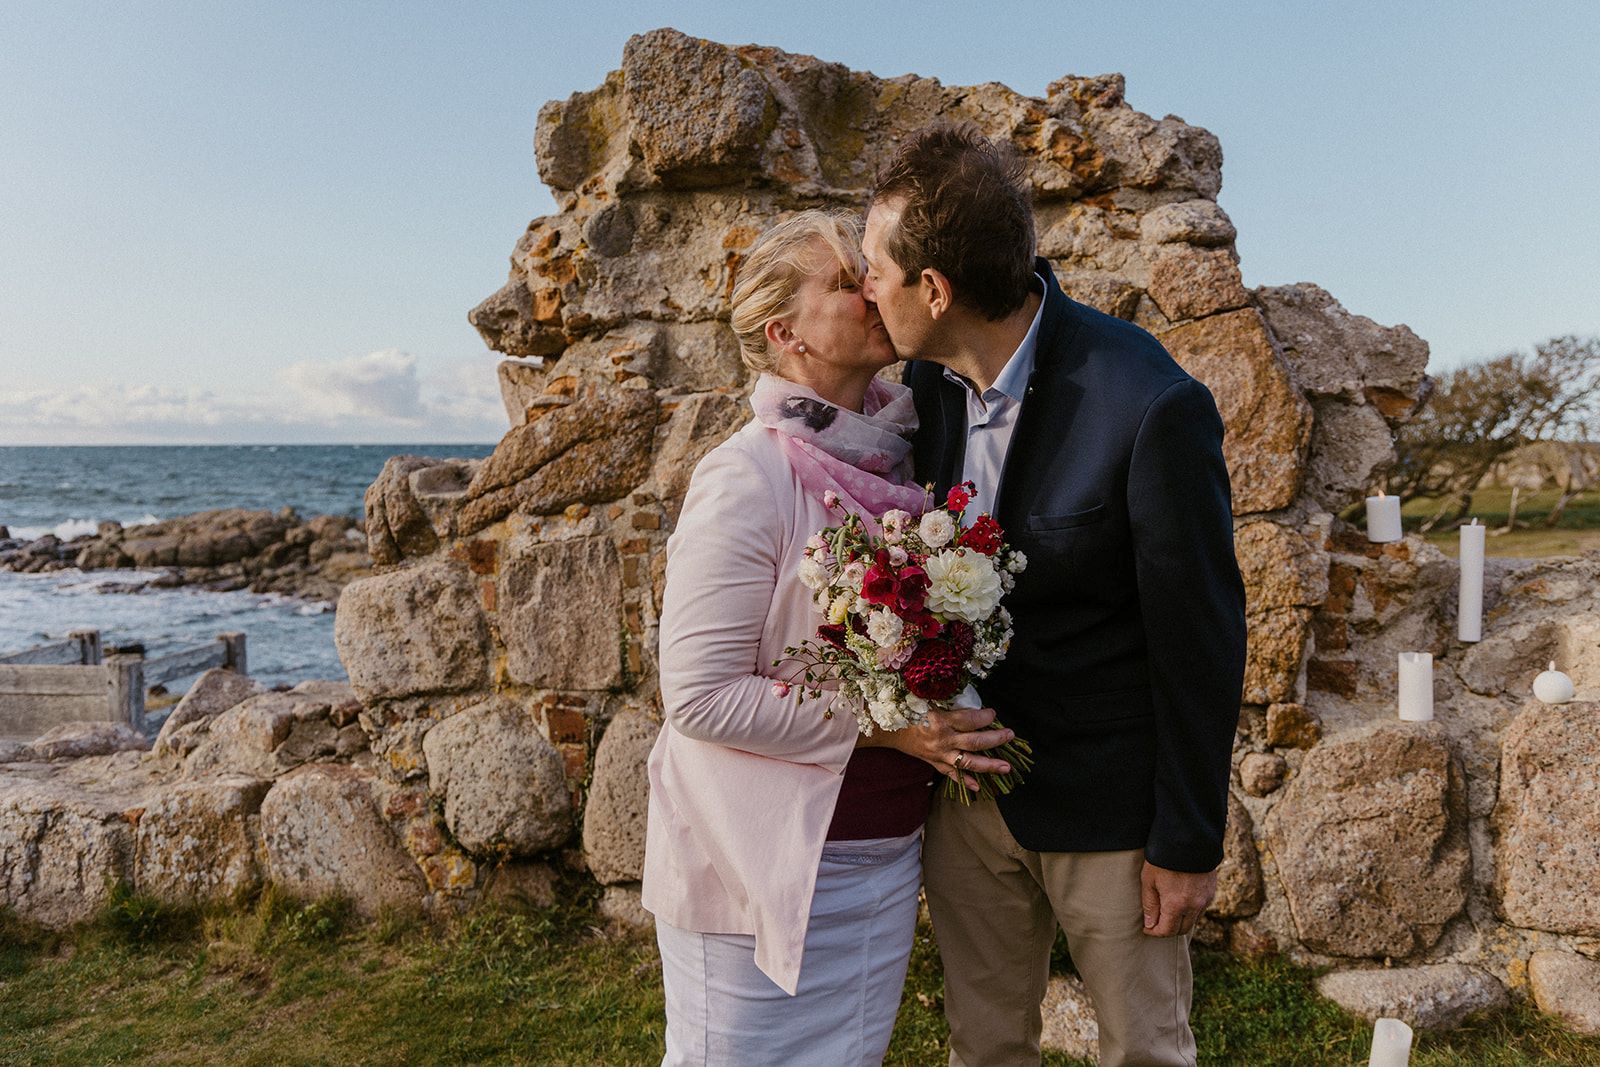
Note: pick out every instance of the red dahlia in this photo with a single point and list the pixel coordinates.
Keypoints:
(961, 637)
(933, 672)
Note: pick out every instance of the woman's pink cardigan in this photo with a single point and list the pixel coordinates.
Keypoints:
(742, 782)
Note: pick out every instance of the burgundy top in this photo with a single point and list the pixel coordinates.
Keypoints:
(886, 793)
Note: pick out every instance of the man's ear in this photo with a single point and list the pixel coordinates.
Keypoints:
(936, 292)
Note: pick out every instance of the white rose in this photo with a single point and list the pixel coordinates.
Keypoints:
(936, 528)
(895, 519)
(884, 627)
(812, 574)
(852, 576)
(962, 585)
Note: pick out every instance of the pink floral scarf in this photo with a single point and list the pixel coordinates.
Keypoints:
(865, 457)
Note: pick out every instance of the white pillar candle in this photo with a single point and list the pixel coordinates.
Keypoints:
(1383, 518)
(1416, 686)
(1391, 1044)
(1469, 614)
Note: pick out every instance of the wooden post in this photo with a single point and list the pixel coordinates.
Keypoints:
(125, 682)
(233, 655)
(88, 646)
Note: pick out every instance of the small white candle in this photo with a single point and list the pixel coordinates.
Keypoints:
(1553, 687)
(1391, 1044)
(1383, 518)
(1416, 686)
(1469, 613)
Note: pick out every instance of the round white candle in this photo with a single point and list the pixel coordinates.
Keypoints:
(1416, 686)
(1553, 687)
(1391, 1044)
(1469, 613)
(1383, 518)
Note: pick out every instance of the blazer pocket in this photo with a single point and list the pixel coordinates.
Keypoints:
(1068, 520)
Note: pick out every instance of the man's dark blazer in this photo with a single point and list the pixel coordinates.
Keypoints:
(1126, 668)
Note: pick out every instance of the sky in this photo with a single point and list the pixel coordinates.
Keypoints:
(266, 222)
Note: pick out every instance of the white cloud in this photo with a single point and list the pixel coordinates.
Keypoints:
(378, 397)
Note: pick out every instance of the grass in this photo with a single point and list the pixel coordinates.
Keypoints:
(1578, 530)
(276, 982)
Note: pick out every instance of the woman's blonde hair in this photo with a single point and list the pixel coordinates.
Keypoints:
(770, 276)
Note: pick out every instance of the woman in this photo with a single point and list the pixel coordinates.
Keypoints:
(783, 850)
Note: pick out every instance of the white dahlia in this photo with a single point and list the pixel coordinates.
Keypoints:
(962, 585)
(884, 627)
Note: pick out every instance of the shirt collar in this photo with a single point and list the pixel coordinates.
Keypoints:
(1012, 381)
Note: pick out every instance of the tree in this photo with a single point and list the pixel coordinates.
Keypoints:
(1481, 411)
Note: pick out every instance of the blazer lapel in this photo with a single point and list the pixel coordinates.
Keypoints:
(1049, 400)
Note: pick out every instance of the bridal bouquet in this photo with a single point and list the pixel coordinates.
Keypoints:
(912, 615)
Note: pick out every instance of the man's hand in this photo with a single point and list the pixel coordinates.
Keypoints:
(1174, 900)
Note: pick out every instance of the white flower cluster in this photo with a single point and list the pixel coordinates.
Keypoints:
(963, 584)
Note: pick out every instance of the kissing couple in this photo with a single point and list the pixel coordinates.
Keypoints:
(785, 848)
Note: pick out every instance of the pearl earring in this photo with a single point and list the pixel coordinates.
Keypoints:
(801, 349)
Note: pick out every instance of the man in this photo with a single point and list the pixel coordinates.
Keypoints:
(1103, 462)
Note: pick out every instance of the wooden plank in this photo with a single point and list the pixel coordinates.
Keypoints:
(235, 661)
(60, 653)
(185, 662)
(25, 717)
(125, 689)
(89, 643)
(52, 680)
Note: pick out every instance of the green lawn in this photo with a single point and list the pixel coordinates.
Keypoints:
(280, 984)
(1578, 530)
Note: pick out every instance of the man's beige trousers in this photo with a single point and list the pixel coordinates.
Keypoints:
(995, 906)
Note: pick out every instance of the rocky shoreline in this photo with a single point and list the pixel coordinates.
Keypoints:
(222, 550)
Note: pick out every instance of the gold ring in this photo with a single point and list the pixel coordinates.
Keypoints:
(957, 761)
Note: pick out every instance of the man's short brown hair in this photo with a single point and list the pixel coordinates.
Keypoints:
(968, 214)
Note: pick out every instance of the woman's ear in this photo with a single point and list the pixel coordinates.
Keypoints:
(936, 292)
(778, 335)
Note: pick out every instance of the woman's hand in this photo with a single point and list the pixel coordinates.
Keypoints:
(950, 743)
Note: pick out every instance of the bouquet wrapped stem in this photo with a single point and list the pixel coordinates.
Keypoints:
(912, 615)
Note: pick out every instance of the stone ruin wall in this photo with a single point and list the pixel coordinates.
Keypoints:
(503, 654)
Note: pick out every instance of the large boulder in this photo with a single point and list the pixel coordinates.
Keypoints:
(614, 817)
(323, 833)
(561, 613)
(61, 850)
(1267, 421)
(1370, 841)
(75, 740)
(504, 785)
(264, 736)
(1433, 997)
(198, 841)
(214, 692)
(1548, 819)
(1239, 889)
(1567, 986)
(415, 630)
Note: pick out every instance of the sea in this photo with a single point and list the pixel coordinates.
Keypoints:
(70, 490)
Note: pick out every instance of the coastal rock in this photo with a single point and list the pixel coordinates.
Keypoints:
(504, 785)
(1239, 888)
(1547, 818)
(1261, 772)
(698, 115)
(214, 692)
(263, 737)
(197, 841)
(1069, 1020)
(1332, 352)
(694, 427)
(75, 740)
(581, 581)
(1292, 726)
(61, 851)
(1370, 841)
(1280, 567)
(397, 525)
(1434, 997)
(597, 447)
(415, 630)
(1267, 421)
(620, 904)
(1275, 644)
(1568, 987)
(1190, 283)
(614, 816)
(323, 834)
(1197, 222)
(15, 751)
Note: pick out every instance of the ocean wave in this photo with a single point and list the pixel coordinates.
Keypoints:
(67, 529)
